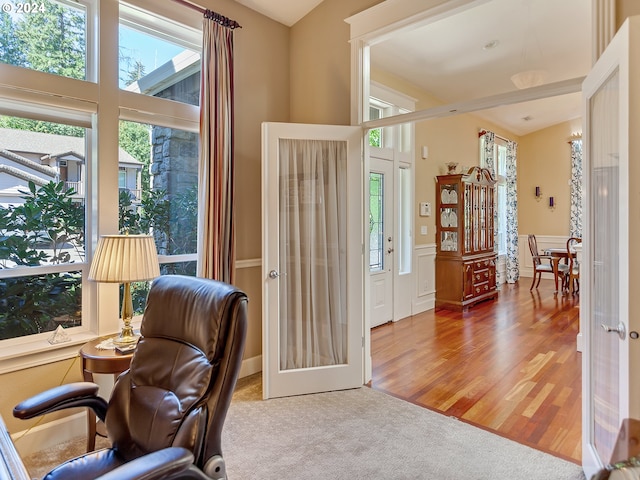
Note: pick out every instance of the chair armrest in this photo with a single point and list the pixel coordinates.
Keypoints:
(172, 462)
(70, 395)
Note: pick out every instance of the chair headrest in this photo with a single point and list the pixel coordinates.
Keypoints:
(190, 310)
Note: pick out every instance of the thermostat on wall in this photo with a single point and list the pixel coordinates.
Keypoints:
(425, 209)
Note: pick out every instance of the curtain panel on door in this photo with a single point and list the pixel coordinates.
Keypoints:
(313, 245)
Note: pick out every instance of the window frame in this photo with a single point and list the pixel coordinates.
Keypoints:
(501, 190)
(50, 97)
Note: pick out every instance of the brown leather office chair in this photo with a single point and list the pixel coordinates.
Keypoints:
(573, 279)
(176, 392)
(541, 266)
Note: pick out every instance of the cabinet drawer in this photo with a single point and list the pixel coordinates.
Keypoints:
(481, 288)
(481, 276)
(481, 264)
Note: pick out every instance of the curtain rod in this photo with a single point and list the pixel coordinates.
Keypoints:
(216, 17)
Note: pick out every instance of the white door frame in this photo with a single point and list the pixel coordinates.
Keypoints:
(618, 58)
(278, 381)
(383, 20)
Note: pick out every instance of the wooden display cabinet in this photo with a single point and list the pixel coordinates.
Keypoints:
(465, 260)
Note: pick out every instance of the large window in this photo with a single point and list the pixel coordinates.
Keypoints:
(77, 161)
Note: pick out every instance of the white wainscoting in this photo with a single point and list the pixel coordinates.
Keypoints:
(425, 278)
(544, 242)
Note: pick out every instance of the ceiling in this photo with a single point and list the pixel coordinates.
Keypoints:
(287, 12)
(473, 54)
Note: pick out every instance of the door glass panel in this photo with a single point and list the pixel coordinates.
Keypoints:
(376, 221)
(312, 249)
(606, 256)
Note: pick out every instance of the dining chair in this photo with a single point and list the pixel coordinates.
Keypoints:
(540, 264)
(573, 275)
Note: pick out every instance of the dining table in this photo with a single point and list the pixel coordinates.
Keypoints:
(557, 254)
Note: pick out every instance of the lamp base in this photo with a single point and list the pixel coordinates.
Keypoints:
(127, 337)
(125, 340)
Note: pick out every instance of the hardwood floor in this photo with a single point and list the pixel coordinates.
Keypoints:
(509, 366)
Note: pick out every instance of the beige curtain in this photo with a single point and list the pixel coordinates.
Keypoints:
(216, 238)
(313, 245)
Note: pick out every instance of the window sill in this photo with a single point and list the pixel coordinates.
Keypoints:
(39, 351)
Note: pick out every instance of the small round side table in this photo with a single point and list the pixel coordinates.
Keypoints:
(96, 360)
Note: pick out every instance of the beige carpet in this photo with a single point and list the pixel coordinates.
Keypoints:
(356, 434)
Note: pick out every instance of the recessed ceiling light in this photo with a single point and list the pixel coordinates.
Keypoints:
(490, 45)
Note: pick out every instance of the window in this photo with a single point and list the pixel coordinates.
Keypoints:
(91, 168)
(47, 36)
(42, 226)
(167, 206)
(376, 219)
(153, 61)
(500, 166)
(405, 220)
(501, 189)
(375, 135)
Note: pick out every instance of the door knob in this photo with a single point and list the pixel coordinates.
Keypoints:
(274, 274)
(620, 330)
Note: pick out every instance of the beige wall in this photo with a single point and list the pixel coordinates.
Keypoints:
(321, 60)
(544, 160)
(626, 8)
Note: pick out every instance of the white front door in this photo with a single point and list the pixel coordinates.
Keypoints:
(381, 237)
(312, 259)
(611, 118)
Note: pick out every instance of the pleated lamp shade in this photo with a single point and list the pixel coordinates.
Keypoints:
(125, 259)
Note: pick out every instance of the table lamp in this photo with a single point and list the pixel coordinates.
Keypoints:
(125, 259)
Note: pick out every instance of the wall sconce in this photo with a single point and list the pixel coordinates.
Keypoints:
(538, 193)
(552, 202)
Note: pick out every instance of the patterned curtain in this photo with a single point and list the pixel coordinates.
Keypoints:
(575, 229)
(513, 267)
(489, 145)
(216, 237)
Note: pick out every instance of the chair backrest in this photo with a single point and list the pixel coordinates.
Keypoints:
(533, 248)
(570, 244)
(179, 386)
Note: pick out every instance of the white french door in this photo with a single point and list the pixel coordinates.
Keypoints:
(611, 118)
(312, 258)
(381, 239)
